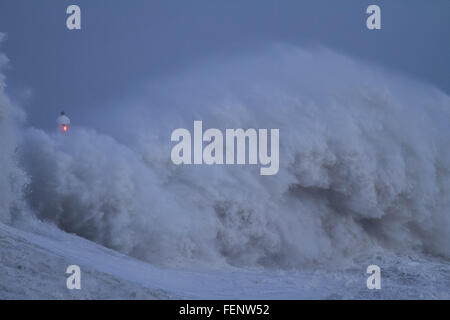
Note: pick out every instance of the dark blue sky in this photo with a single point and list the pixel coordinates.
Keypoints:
(123, 44)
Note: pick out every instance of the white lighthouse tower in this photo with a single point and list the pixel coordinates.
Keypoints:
(63, 123)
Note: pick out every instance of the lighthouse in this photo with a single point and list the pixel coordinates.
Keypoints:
(63, 123)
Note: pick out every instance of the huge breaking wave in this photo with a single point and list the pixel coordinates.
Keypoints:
(364, 166)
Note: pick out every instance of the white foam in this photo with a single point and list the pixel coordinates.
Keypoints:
(364, 166)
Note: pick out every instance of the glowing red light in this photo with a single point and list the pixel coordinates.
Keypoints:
(65, 128)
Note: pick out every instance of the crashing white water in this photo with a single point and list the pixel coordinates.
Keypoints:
(364, 164)
(364, 168)
(12, 178)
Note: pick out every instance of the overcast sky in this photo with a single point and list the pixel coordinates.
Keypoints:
(123, 44)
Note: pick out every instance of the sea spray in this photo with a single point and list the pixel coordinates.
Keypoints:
(364, 166)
